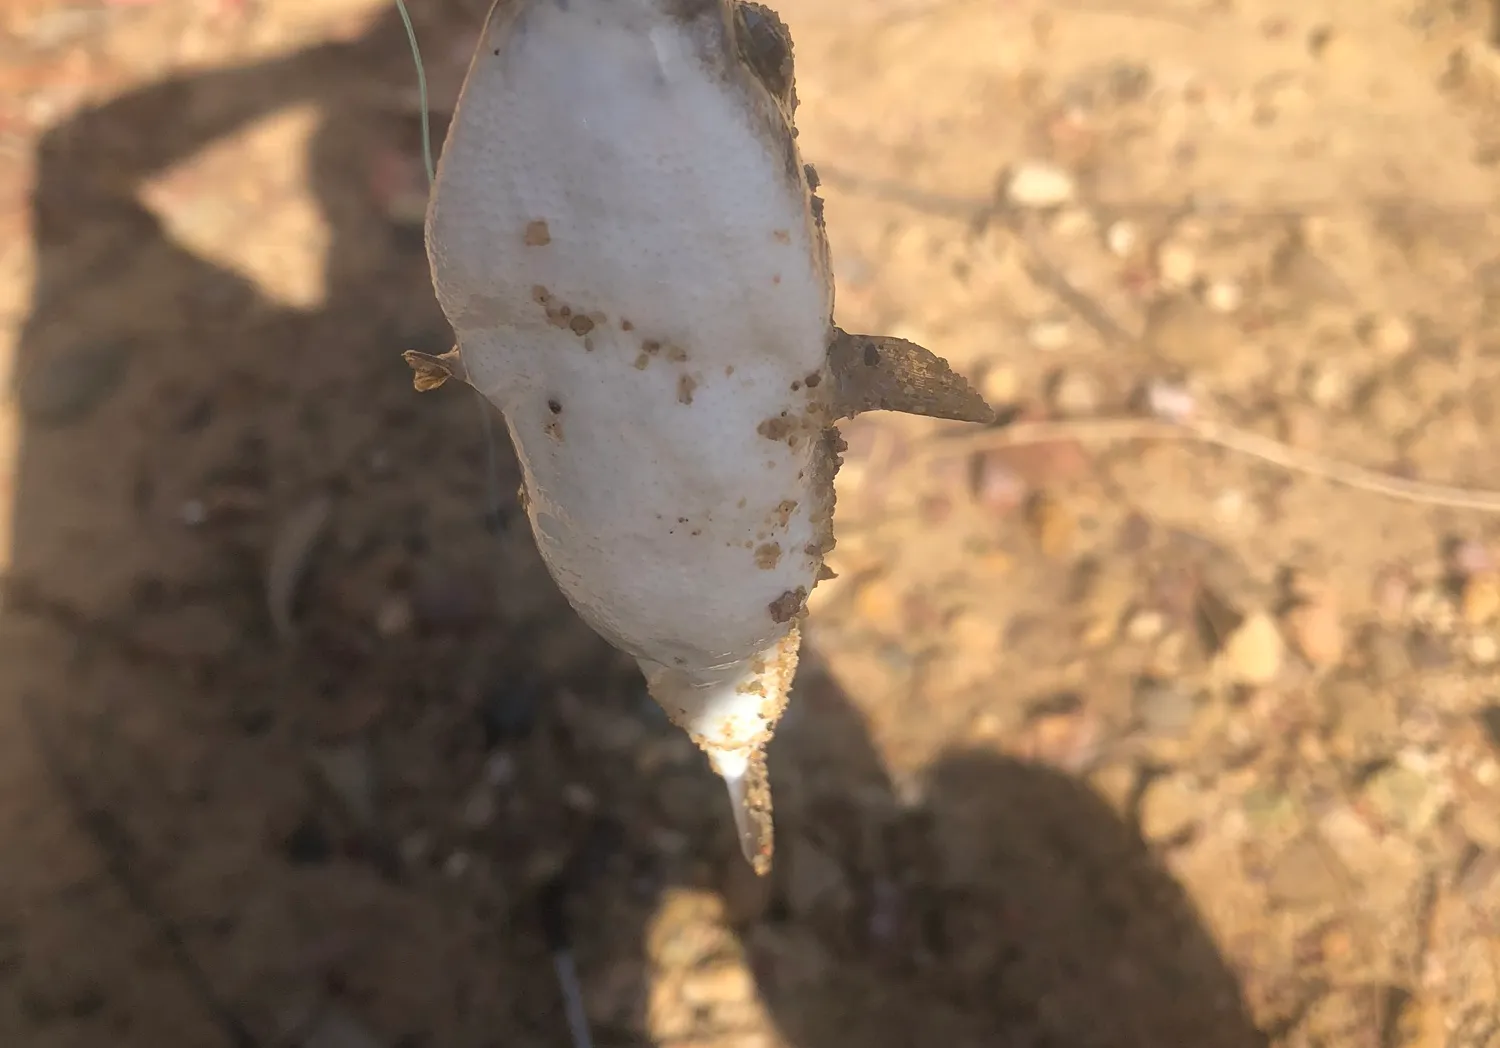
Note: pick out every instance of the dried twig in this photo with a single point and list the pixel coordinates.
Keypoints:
(1297, 460)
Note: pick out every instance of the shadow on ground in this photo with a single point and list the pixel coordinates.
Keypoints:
(214, 836)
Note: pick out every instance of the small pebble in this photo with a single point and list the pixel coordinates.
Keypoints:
(1229, 506)
(415, 848)
(1038, 184)
(1145, 626)
(1392, 590)
(1480, 602)
(1170, 401)
(348, 770)
(1223, 296)
(1122, 239)
(997, 485)
(1176, 265)
(499, 769)
(1048, 334)
(1051, 523)
(1484, 650)
(579, 797)
(1252, 655)
(1389, 336)
(1000, 384)
(1307, 873)
(1073, 223)
(1163, 707)
(1472, 558)
(1075, 394)
(1328, 387)
(335, 1028)
(1169, 808)
(479, 809)
(1317, 631)
(395, 617)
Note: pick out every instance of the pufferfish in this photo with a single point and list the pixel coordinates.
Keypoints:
(632, 255)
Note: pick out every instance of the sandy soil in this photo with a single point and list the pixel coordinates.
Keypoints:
(1098, 744)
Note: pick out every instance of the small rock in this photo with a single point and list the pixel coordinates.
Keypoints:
(479, 809)
(1223, 296)
(1230, 505)
(579, 797)
(1176, 265)
(1115, 782)
(1170, 401)
(348, 771)
(1170, 808)
(1317, 631)
(1391, 591)
(1000, 384)
(1307, 873)
(1328, 386)
(1389, 336)
(1164, 707)
(1049, 334)
(1051, 523)
(395, 617)
(1145, 626)
(1432, 608)
(1069, 741)
(878, 603)
(415, 848)
(1484, 650)
(1367, 717)
(1252, 654)
(1405, 798)
(1428, 651)
(1122, 239)
(1480, 601)
(334, 1028)
(1075, 394)
(499, 769)
(997, 485)
(1038, 184)
(1472, 558)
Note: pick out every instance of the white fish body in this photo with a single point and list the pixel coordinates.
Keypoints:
(625, 241)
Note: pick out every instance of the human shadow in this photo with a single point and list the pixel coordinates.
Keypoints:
(1007, 905)
(993, 902)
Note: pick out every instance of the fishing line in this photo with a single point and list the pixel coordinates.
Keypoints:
(491, 451)
(562, 953)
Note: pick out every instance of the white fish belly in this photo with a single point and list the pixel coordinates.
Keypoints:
(631, 273)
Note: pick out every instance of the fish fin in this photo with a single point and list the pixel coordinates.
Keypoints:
(732, 720)
(430, 372)
(883, 373)
(749, 786)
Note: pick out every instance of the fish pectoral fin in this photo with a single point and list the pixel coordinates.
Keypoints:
(883, 373)
(429, 371)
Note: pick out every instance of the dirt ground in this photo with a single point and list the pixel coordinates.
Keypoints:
(1097, 744)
